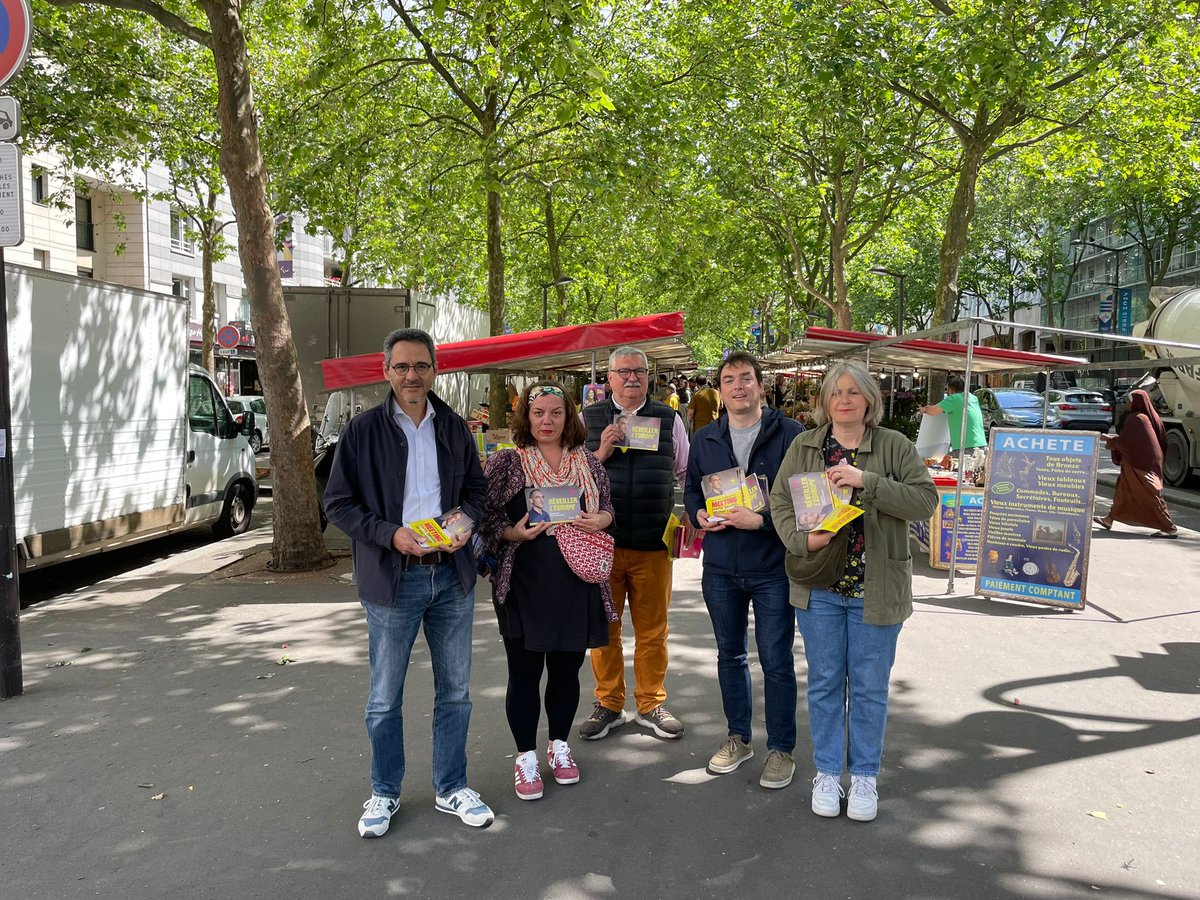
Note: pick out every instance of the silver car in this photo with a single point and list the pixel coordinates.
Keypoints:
(1079, 408)
(239, 403)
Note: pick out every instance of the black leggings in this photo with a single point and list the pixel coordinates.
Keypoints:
(522, 703)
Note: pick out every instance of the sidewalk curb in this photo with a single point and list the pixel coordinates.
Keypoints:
(1174, 496)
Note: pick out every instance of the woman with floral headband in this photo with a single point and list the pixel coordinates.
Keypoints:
(548, 615)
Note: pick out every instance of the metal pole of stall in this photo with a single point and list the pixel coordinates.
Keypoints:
(1046, 398)
(962, 440)
(892, 394)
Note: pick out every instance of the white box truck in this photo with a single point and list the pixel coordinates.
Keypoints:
(115, 438)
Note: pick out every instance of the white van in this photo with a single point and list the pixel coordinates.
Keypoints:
(115, 437)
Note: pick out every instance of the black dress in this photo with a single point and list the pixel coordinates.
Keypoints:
(549, 607)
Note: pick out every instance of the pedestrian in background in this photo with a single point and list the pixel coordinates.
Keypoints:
(548, 615)
(852, 590)
(1138, 449)
(407, 459)
(704, 407)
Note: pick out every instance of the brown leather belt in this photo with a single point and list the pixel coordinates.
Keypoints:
(429, 559)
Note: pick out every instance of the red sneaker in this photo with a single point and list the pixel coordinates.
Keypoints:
(527, 780)
(561, 763)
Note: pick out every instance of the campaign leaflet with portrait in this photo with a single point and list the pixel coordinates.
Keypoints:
(593, 393)
(442, 531)
(637, 432)
(553, 504)
(818, 503)
(723, 490)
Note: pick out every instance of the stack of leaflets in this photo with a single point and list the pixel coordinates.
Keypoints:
(552, 504)
(820, 505)
(755, 492)
(442, 531)
(684, 541)
(733, 487)
(637, 432)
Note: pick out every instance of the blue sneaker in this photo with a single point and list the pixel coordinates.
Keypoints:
(377, 816)
(465, 804)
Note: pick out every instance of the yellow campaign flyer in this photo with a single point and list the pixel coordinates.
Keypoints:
(723, 490)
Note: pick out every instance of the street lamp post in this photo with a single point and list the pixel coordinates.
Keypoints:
(899, 276)
(565, 279)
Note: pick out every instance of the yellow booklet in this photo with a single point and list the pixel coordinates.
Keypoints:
(442, 531)
(818, 504)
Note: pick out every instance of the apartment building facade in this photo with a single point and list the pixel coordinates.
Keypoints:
(1109, 294)
(126, 228)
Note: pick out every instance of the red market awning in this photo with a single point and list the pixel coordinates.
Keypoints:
(570, 347)
(918, 353)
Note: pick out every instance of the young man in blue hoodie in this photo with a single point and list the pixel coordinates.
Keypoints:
(743, 565)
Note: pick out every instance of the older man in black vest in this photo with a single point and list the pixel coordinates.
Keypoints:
(643, 493)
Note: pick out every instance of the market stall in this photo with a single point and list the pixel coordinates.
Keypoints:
(953, 535)
(570, 348)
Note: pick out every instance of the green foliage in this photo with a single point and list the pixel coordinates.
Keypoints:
(739, 161)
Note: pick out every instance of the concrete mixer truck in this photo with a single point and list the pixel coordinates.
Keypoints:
(1175, 316)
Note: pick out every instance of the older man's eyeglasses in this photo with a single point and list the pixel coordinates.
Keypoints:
(639, 374)
(421, 368)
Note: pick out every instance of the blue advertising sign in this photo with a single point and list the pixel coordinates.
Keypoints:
(1037, 516)
(1125, 311)
(1104, 323)
(970, 518)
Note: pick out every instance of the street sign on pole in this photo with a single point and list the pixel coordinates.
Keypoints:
(16, 32)
(10, 118)
(228, 337)
(12, 216)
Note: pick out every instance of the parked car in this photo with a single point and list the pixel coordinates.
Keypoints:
(1081, 409)
(238, 404)
(1007, 408)
(1149, 384)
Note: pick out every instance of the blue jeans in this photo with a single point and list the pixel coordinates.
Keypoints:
(431, 596)
(728, 598)
(849, 664)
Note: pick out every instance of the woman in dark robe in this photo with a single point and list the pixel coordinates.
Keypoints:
(1138, 450)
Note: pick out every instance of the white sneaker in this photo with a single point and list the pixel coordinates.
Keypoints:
(827, 795)
(465, 804)
(377, 816)
(863, 804)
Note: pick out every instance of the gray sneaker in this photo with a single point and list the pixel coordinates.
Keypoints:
(731, 754)
(827, 795)
(777, 770)
(601, 722)
(863, 802)
(661, 722)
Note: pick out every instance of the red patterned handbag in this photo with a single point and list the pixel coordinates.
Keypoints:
(590, 555)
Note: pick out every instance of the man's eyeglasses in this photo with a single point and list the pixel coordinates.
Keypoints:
(639, 374)
(421, 368)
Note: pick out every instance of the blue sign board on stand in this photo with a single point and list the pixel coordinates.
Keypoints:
(1037, 516)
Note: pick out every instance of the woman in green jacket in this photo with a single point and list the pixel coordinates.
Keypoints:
(852, 590)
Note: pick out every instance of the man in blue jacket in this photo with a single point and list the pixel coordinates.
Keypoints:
(743, 565)
(408, 459)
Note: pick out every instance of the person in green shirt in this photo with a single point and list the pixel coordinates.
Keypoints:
(952, 406)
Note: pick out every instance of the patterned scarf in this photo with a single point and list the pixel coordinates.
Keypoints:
(573, 470)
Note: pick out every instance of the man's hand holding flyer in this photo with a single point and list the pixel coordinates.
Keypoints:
(442, 531)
